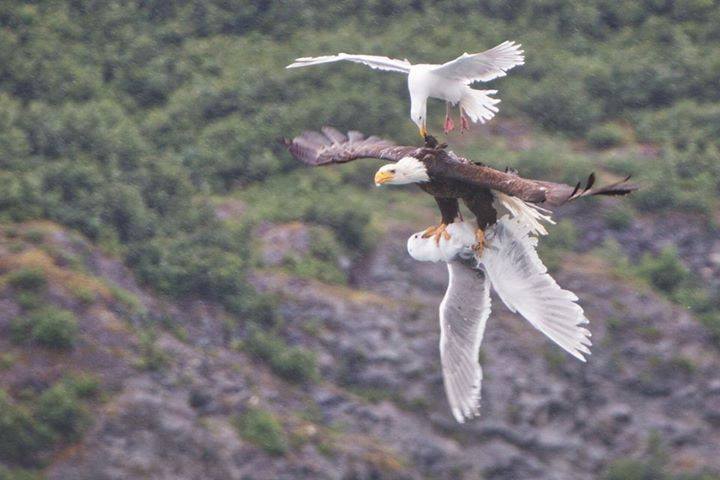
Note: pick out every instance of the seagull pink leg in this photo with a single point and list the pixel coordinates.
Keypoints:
(464, 123)
(449, 125)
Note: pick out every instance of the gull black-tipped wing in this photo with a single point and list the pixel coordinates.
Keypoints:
(332, 146)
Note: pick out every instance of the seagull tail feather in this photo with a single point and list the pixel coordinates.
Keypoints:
(478, 105)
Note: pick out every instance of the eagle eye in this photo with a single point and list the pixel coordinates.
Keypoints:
(392, 170)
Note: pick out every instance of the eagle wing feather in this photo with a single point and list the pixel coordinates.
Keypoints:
(332, 146)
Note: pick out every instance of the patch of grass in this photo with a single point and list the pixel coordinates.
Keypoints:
(630, 469)
(18, 474)
(664, 271)
(33, 235)
(555, 358)
(152, 358)
(606, 135)
(309, 267)
(292, 363)
(85, 385)
(27, 278)
(29, 300)
(50, 327)
(83, 294)
(619, 218)
(7, 360)
(21, 436)
(54, 328)
(175, 328)
(60, 409)
(262, 428)
(128, 299)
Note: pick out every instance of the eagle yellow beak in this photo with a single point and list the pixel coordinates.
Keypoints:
(423, 131)
(383, 177)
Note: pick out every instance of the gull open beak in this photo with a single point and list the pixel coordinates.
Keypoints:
(383, 177)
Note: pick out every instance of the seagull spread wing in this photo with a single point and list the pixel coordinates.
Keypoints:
(463, 314)
(523, 284)
(372, 61)
(484, 66)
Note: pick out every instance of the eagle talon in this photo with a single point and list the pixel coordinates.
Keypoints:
(437, 233)
(479, 247)
(430, 141)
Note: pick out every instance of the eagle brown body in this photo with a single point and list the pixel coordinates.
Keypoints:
(451, 177)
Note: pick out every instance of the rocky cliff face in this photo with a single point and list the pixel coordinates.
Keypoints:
(378, 408)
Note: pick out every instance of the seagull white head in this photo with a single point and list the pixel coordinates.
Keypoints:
(406, 170)
(418, 113)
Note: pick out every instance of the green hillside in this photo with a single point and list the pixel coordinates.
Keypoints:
(134, 123)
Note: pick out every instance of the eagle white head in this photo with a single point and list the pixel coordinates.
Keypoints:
(406, 170)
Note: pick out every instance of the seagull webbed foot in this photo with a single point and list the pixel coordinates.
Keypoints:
(449, 124)
(464, 121)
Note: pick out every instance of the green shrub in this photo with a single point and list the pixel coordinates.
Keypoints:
(27, 278)
(21, 437)
(152, 357)
(28, 300)
(562, 236)
(292, 363)
(629, 469)
(18, 474)
(664, 271)
(60, 410)
(34, 236)
(53, 328)
(606, 135)
(261, 428)
(84, 385)
(619, 218)
(7, 360)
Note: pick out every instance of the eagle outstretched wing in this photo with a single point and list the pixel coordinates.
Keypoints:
(549, 194)
(332, 146)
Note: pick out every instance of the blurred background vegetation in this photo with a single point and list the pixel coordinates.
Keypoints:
(130, 122)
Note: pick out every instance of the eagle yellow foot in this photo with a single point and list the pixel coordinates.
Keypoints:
(479, 247)
(437, 232)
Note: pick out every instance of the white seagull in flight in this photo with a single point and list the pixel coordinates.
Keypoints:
(449, 81)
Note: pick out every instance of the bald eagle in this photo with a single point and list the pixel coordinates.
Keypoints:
(449, 81)
(511, 210)
(449, 178)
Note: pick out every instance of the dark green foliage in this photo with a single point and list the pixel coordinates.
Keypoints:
(605, 136)
(124, 136)
(49, 327)
(21, 436)
(32, 279)
(152, 357)
(322, 261)
(18, 474)
(634, 470)
(262, 428)
(60, 409)
(664, 271)
(83, 385)
(293, 363)
(619, 218)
